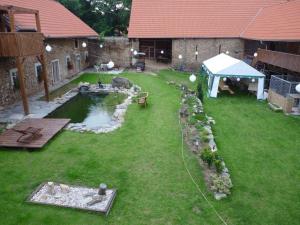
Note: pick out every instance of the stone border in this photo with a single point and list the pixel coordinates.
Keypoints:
(105, 212)
(194, 141)
(119, 114)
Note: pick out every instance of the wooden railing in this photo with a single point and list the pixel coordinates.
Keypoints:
(15, 44)
(280, 59)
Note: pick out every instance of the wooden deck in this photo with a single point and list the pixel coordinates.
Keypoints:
(50, 127)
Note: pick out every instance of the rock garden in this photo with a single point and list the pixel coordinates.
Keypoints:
(197, 127)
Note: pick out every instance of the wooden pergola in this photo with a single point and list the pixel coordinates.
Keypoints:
(21, 45)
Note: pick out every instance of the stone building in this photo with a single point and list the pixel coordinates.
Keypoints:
(67, 39)
(185, 33)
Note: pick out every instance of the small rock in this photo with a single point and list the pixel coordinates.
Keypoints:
(219, 196)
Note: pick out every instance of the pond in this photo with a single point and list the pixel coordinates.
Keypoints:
(93, 110)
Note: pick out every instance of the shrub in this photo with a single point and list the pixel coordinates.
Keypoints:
(219, 165)
(207, 156)
(221, 184)
(204, 132)
(192, 120)
(205, 139)
(200, 91)
(200, 116)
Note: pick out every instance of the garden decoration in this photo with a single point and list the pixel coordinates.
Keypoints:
(84, 198)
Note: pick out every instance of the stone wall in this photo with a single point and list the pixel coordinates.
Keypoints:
(61, 48)
(206, 48)
(116, 49)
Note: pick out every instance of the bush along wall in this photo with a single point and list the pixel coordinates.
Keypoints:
(200, 139)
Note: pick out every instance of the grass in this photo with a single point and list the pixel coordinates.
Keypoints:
(261, 149)
(143, 161)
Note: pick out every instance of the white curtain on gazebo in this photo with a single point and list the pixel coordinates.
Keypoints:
(225, 66)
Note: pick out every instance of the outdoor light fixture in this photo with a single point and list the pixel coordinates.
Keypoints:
(135, 52)
(48, 48)
(227, 52)
(238, 79)
(162, 52)
(196, 53)
(180, 57)
(225, 78)
(193, 78)
(255, 54)
(298, 88)
(132, 50)
(253, 80)
(84, 44)
(101, 45)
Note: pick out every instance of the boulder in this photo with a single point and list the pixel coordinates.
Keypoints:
(120, 82)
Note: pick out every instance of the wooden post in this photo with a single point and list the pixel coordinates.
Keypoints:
(21, 76)
(38, 23)
(11, 21)
(45, 78)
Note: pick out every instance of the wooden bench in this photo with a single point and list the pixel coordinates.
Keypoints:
(225, 87)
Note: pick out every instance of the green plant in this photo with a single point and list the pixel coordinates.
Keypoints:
(200, 116)
(205, 139)
(204, 132)
(192, 120)
(219, 165)
(200, 91)
(221, 184)
(207, 156)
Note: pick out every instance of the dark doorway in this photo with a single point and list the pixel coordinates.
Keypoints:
(157, 49)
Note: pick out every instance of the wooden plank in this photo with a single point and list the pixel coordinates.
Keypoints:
(50, 127)
(21, 44)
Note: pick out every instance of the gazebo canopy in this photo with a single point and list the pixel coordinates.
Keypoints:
(225, 66)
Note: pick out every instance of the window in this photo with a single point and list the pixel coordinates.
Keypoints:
(38, 72)
(14, 78)
(86, 56)
(69, 62)
(76, 43)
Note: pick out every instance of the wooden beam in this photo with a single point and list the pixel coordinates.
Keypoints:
(38, 22)
(44, 74)
(12, 21)
(17, 10)
(21, 76)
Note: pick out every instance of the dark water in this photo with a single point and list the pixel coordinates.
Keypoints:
(93, 110)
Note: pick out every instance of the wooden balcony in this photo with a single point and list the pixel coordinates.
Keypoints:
(280, 59)
(19, 44)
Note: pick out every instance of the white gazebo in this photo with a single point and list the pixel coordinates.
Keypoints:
(224, 66)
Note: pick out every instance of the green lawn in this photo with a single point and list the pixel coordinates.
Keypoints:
(143, 161)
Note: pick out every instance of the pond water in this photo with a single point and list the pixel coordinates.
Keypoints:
(91, 109)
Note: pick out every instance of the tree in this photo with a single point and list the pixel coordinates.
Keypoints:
(107, 17)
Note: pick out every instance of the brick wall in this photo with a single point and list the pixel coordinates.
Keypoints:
(61, 48)
(116, 49)
(206, 48)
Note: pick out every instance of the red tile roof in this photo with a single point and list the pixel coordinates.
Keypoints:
(56, 20)
(278, 22)
(193, 18)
